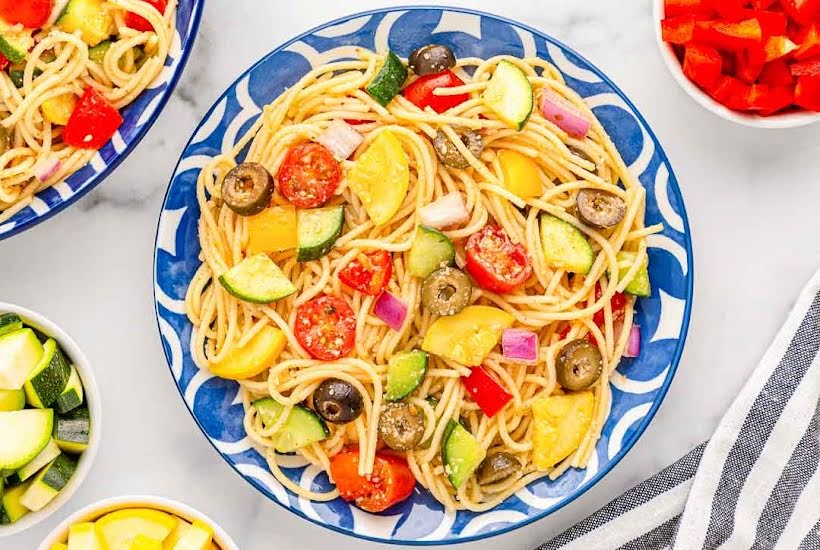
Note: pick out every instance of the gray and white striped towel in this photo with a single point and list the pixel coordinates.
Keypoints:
(754, 485)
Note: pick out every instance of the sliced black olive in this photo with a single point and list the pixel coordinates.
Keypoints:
(5, 140)
(579, 365)
(247, 189)
(401, 426)
(497, 467)
(338, 401)
(432, 59)
(600, 209)
(447, 152)
(446, 291)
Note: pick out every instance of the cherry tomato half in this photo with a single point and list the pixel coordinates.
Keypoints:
(93, 121)
(420, 91)
(32, 14)
(326, 327)
(368, 273)
(138, 22)
(392, 480)
(495, 262)
(309, 175)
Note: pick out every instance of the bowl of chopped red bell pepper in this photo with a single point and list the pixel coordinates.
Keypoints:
(754, 62)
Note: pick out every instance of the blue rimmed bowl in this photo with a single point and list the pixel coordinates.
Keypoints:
(638, 387)
(138, 117)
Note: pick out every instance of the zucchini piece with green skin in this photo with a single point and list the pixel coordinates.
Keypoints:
(11, 510)
(257, 280)
(461, 453)
(48, 483)
(97, 53)
(25, 434)
(317, 230)
(302, 427)
(89, 17)
(431, 250)
(405, 371)
(509, 94)
(639, 285)
(48, 454)
(12, 400)
(72, 396)
(15, 42)
(565, 246)
(388, 82)
(48, 380)
(10, 322)
(20, 353)
(72, 430)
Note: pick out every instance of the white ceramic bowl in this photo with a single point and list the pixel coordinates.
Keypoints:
(92, 400)
(95, 511)
(785, 120)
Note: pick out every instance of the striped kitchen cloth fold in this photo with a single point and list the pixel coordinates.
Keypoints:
(754, 485)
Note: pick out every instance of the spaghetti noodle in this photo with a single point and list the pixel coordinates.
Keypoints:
(556, 305)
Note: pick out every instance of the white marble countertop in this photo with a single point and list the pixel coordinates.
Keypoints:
(752, 198)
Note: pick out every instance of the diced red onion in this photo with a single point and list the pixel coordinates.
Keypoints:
(519, 344)
(391, 310)
(563, 114)
(447, 211)
(341, 139)
(46, 167)
(633, 344)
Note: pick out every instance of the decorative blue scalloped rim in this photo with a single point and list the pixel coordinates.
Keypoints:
(95, 179)
(637, 429)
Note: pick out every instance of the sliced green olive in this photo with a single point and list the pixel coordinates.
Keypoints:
(337, 401)
(5, 140)
(247, 189)
(432, 59)
(579, 365)
(401, 426)
(447, 152)
(497, 467)
(600, 209)
(446, 291)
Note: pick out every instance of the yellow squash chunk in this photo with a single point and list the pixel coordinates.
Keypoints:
(142, 542)
(121, 527)
(179, 533)
(272, 230)
(468, 336)
(520, 174)
(198, 537)
(260, 353)
(90, 17)
(57, 110)
(59, 546)
(561, 422)
(85, 536)
(381, 177)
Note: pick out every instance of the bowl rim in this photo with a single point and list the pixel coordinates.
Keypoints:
(92, 400)
(777, 121)
(640, 427)
(186, 49)
(98, 509)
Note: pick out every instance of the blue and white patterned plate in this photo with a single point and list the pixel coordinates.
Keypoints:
(638, 387)
(138, 117)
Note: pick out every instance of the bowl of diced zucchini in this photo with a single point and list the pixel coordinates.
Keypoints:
(49, 418)
(139, 523)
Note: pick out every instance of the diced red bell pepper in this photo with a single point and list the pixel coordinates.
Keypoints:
(420, 91)
(777, 73)
(92, 123)
(777, 47)
(804, 12)
(678, 30)
(769, 100)
(702, 64)
(807, 93)
(809, 67)
(488, 394)
(617, 304)
(4, 62)
(731, 92)
(138, 22)
(687, 7)
(809, 43)
(772, 23)
(729, 9)
(749, 64)
(735, 36)
(762, 4)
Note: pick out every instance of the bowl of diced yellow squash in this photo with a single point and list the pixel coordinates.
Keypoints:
(138, 523)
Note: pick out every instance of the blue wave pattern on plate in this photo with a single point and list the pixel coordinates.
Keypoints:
(639, 385)
(138, 118)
